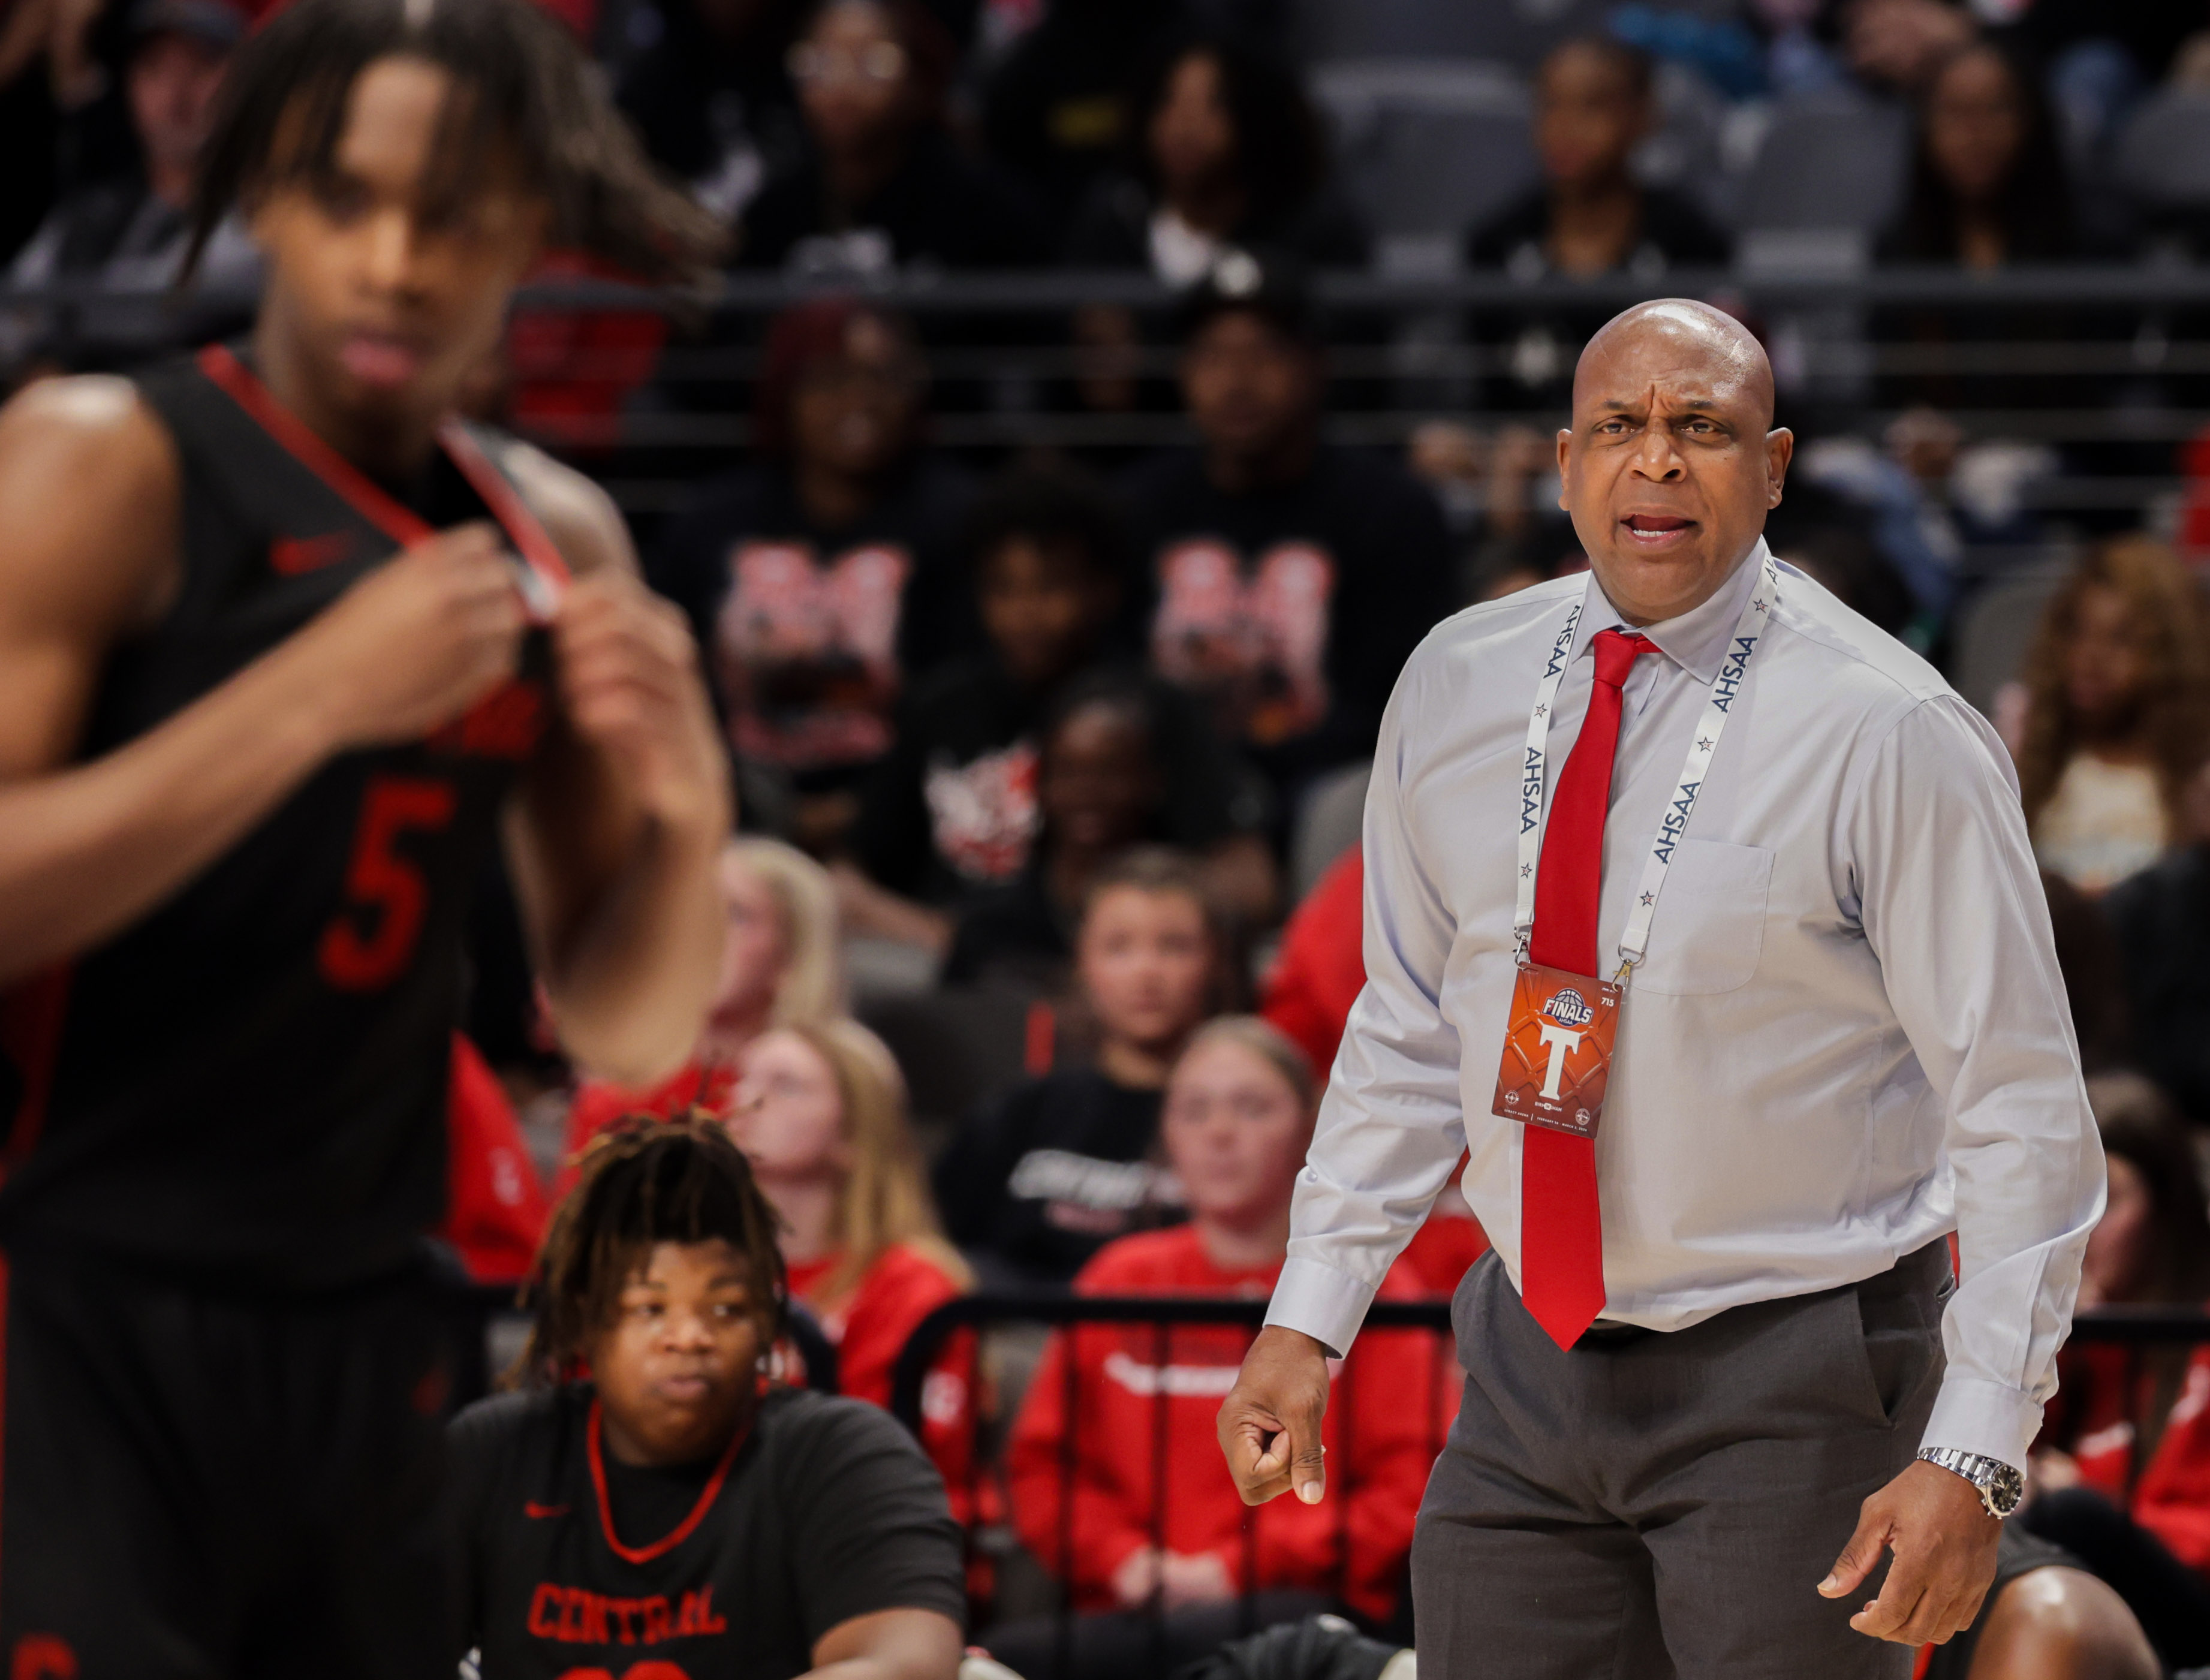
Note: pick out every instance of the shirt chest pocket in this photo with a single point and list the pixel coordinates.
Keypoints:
(1710, 926)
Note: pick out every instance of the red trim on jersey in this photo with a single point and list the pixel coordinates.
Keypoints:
(369, 500)
(682, 1530)
(31, 1017)
(507, 508)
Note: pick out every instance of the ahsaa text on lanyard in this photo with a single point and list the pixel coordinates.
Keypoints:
(1557, 1048)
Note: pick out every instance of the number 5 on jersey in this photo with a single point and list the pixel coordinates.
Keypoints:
(369, 943)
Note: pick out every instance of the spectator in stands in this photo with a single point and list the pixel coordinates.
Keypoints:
(1989, 190)
(1899, 45)
(779, 968)
(2116, 684)
(711, 98)
(818, 576)
(1292, 576)
(881, 185)
(1988, 184)
(1238, 1115)
(1059, 110)
(1043, 1176)
(1226, 153)
(131, 231)
(2159, 922)
(955, 807)
(649, 1483)
(1102, 769)
(820, 1111)
(1587, 216)
(2122, 1471)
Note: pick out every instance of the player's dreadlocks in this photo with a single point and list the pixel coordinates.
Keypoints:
(523, 99)
(645, 1181)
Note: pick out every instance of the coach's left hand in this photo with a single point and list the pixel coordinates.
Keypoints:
(1944, 1543)
(629, 683)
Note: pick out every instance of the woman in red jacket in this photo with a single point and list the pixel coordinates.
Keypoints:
(1156, 1524)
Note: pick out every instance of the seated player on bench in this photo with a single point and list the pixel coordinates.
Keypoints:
(648, 1501)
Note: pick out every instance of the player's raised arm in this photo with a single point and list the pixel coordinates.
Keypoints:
(88, 518)
(625, 809)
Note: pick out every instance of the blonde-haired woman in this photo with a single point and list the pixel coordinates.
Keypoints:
(780, 966)
(2116, 684)
(819, 1110)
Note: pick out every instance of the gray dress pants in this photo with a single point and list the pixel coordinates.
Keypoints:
(1649, 1505)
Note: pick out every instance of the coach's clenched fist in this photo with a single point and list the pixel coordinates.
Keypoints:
(1270, 1423)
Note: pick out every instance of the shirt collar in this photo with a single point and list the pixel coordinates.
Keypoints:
(1698, 640)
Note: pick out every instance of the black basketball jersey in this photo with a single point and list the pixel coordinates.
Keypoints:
(250, 1081)
(822, 1511)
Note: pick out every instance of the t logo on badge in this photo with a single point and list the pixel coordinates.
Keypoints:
(1557, 1050)
(1558, 1042)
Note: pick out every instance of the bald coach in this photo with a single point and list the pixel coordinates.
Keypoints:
(1702, 914)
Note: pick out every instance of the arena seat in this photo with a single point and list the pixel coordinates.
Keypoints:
(1830, 159)
(957, 1048)
(2163, 157)
(1427, 147)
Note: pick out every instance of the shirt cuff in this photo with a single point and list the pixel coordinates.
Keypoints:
(1327, 1304)
(1976, 1415)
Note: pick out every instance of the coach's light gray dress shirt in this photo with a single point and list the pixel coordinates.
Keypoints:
(1849, 1036)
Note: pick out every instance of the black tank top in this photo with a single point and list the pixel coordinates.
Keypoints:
(249, 1082)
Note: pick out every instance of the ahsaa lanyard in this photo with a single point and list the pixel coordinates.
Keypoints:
(1634, 938)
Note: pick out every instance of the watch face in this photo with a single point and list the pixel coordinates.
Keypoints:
(2005, 1491)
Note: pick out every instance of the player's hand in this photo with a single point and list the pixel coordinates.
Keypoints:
(417, 642)
(1944, 1543)
(1270, 1423)
(630, 685)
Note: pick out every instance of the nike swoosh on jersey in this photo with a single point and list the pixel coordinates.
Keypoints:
(289, 556)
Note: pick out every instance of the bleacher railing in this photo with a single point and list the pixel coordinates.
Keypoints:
(2122, 353)
(1049, 291)
(2139, 1330)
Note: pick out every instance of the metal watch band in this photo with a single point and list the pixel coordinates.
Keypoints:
(2001, 1486)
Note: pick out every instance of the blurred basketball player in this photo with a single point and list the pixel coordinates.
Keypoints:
(282, 647)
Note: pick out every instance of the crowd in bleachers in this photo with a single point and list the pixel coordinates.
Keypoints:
(1049, 762)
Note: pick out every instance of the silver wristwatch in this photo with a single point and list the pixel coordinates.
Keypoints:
(2001, 1485)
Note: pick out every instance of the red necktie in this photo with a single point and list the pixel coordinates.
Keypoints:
(1561, 1229)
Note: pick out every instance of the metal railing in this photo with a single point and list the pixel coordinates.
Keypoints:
(2110, 362)
(2139, 1330)
(1045, 1621)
